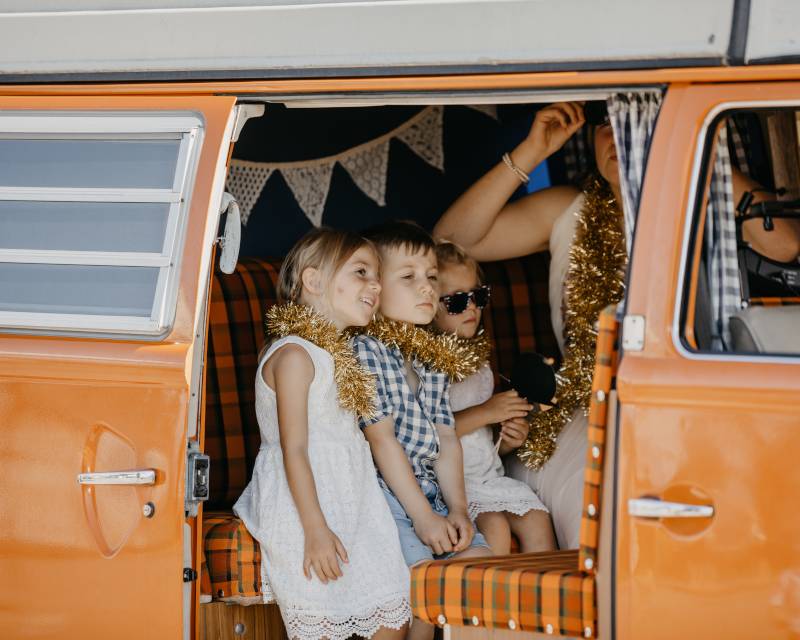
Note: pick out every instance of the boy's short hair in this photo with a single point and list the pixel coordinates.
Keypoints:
(400, 234)
(450, 253)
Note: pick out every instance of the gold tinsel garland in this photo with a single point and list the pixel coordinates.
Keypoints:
(596, 279)
(445, 352)
(356, 387)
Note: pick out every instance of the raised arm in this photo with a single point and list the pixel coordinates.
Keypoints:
(485, 224)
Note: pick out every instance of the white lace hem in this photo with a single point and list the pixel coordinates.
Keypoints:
(517, 507)
(392, 614)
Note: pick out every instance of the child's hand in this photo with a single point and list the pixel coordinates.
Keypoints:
(505, 406)
(466, 531)
(436, 532)
(323, 550)
(514, 432)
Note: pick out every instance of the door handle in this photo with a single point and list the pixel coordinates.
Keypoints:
(134, 476)
(655, 508)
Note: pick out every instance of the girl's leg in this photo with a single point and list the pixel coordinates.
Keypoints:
(534, 530)
(419, 630)
(495, 528)
(384, 633)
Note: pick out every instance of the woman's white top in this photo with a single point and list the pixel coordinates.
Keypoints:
(374, 590)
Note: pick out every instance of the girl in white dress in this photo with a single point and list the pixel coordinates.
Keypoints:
(330, 549)
(499, 505)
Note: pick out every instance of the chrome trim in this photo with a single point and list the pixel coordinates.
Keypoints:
(687, 231)
(134, 476)
(655, 508)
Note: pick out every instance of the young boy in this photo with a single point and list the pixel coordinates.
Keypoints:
(412, 435)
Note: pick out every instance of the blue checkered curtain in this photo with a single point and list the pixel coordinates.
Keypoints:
(633, 118)
(720, 246)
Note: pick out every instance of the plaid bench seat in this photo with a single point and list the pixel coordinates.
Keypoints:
(552, 593)
(518, 319)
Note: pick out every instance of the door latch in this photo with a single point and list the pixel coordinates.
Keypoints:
(197, 477)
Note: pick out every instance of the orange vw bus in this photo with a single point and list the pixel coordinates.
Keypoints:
(129, 334)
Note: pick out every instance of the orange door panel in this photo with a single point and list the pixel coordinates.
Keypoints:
(706, 430)
(105, 561)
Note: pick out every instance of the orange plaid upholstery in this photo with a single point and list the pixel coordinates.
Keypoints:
(231, 568)
(517, 319)
(550, 592)
(774, 302)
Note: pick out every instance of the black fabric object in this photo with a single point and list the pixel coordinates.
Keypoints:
(533, 378)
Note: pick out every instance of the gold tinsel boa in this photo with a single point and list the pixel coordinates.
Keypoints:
(445, 352)
(356, 387)
(596, 279)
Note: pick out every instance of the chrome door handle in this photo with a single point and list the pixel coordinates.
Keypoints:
(655, 508)
(134, 476)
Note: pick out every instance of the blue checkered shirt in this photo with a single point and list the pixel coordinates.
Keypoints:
(414, 415)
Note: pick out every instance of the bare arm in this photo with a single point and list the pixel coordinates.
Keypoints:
(450, 474)
(390, 458)
(290, 371)
(485, 224)
(500, 407)
(783, 242)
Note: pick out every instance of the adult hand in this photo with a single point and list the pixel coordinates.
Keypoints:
(553, 126)
(463, 526)
(323, 550)
(436, 532)
(505, 406)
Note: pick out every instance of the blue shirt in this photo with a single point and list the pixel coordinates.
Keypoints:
(415, 415)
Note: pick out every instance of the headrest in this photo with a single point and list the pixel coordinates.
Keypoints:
(767, 330)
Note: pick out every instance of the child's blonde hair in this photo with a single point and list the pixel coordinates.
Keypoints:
(449, 253)
(323, 249)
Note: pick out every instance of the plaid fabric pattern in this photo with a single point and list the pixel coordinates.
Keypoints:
(231, 569)
(517, 319)
(541, 592)
(724, 287)
(604, 371)
(415, 414)
(774, 302)
(738, 141)
(550, 592)
(633, 118)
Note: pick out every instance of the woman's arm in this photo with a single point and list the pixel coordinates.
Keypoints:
(485, 224)
(292, 371)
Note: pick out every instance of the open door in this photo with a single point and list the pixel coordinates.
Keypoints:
(108, 213)
(707, 477)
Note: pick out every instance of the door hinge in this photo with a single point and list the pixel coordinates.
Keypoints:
(197, 477)
(189, 574)
(633, 333)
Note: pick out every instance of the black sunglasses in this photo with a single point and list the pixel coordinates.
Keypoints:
(457, 302)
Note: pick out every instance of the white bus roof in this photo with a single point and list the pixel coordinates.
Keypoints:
(62, 40)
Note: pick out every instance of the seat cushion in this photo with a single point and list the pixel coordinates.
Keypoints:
(231, 569)
(541, 592)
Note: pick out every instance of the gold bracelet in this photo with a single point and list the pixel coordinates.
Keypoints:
(523, 177)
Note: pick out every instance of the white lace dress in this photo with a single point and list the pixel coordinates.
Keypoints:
(488, 488)
(559, 483)
(374, 591)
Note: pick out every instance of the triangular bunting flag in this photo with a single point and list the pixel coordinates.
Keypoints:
(424, 137)
(245, 183)
(488, 109)
(368, 169)
(310, 185)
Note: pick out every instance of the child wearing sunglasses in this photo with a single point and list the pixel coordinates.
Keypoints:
(499, 505)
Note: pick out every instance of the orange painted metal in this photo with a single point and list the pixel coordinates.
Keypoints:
(716, 431)
(83, 562)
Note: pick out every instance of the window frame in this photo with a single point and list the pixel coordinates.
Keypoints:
(187, 128)
(687, 274)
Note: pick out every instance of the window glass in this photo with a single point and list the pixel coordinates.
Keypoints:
(123, 164)
(78, 289)
(83, 226)
(742, 291)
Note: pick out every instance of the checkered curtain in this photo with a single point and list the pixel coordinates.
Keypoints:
(720, 246)
(633, 118)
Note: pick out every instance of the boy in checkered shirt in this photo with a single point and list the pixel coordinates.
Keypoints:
(412, 435)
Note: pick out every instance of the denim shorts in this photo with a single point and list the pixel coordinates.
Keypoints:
(414, 550)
